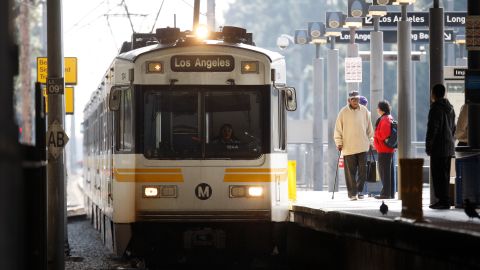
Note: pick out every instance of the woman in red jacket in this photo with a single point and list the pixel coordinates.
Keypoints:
(385, 153)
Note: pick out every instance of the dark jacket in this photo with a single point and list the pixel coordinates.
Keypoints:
(441, 129)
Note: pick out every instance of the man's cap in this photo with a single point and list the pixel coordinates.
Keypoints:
(363, 100)
(353, 94)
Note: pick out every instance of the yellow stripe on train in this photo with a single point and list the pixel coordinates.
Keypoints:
(148, 175)
(253, 174)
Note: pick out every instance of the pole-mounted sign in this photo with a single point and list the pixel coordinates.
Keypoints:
(390, 36)
(55, 86)
(353, 69)
(56, 139)
(418, 19)
(70, 64)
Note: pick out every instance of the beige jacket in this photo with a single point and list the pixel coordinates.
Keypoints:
(461, 133)
(353, 130)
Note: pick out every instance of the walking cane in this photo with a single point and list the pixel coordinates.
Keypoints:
(336, 175)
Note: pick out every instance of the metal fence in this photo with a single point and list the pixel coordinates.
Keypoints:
(302, 153)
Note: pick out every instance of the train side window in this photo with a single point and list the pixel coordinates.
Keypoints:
(128, 120)
(281, 122)
(158, 129)
(124, 135)
(275, 123)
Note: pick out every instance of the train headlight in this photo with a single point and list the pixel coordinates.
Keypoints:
(246, 191)
(201, 32)
(150, 192)
(255, 191)
(249, 67)
(159, 191)
(155, 67)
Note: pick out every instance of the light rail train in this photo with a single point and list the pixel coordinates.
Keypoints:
(185, 145)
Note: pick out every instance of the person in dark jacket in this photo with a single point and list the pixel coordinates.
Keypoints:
(439, 145)
(385, 153)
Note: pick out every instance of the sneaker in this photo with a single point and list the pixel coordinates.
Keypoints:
(382, 197)
(353, 198)
(440, 206)
(360, 196)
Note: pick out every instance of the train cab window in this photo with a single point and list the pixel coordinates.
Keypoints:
(234, 124)
(171, 127)
(188, 122)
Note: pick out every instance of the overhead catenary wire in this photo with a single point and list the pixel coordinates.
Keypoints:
(86, 15)
(190, 5)
(111, 32)
(156, 18)
(124, 3)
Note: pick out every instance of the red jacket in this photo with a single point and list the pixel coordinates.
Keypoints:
(382, 131)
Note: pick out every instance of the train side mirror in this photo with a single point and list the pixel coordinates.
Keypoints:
(114, 99)
(290, 98)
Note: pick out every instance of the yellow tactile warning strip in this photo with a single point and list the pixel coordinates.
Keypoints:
(148, 175)
(253, 174)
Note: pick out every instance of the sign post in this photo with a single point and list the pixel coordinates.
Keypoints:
(56, 140)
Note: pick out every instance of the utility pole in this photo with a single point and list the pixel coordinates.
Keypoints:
(196, 14)
(211, 15)
(376, 66)
(318, 104)
(25, 71)
(332, 109)
(56, 138)
(404, 66)
(436, 58)
(12, 230)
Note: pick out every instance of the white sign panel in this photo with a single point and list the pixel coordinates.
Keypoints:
(56, 139)
(353, 69)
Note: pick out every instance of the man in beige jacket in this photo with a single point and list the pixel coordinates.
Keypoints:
(353, 136)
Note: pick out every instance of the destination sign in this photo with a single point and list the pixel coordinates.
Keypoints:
(418, 19)
(202, 63)
(392, 18)
(390, 36)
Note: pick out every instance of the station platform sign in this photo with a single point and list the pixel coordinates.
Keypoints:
(69, 100)
(70, 66)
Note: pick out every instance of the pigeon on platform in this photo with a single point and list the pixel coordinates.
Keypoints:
(470, 210)
(383, 208)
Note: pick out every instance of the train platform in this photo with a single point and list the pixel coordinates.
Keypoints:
(447, 237)
(443, 235)
(454, 218)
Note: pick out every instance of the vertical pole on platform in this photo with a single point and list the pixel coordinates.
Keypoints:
(56, 116)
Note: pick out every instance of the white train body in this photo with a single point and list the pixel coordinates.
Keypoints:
(152, 149)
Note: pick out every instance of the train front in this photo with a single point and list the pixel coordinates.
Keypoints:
(208, 168)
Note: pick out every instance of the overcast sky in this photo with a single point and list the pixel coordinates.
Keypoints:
(94, 30)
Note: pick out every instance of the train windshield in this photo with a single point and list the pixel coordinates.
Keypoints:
(192, 122)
